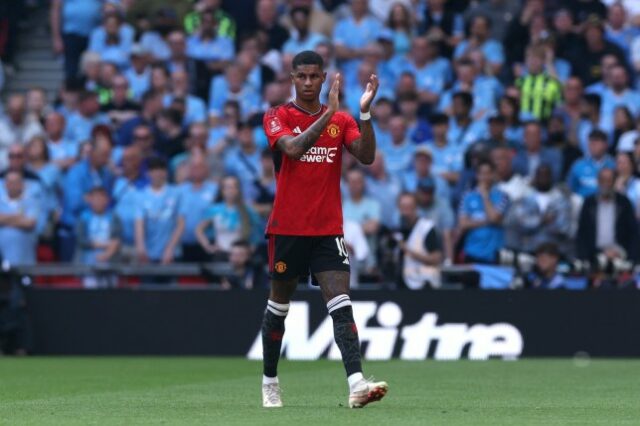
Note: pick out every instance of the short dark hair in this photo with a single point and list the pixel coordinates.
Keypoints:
(97, 189)
(548, 248)
(156, 162)
(307, 57)
(465, 97)
(86, 95)
(241, 243)
(486, 162)
(438, 118)
(593, 99)
(598, 135)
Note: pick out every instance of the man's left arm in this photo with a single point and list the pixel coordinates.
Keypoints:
(364, 148)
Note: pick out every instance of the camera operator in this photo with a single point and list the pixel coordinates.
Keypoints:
(544, 274)
(421, 248)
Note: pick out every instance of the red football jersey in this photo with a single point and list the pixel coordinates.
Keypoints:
(308, 200)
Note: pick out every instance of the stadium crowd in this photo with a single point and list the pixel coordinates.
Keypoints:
(501, 124)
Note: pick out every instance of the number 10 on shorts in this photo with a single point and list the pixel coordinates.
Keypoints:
(342, 249)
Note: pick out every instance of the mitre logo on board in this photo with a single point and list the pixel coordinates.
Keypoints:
(393, 337)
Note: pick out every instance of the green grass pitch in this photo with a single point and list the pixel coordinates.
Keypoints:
(222, 391)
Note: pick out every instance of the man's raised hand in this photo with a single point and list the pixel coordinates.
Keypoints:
(369, 93)
(334, 94)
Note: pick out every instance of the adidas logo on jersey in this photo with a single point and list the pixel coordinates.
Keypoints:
(297, 130)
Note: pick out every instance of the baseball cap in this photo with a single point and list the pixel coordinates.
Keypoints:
(424, 150)
(138, 50)
(426, 184)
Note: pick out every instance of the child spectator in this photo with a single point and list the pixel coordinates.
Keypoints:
(98, 232)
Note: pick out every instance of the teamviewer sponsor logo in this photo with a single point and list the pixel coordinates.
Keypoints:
(425, 338)
(319, 154)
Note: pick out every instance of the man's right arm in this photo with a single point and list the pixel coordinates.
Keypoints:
(296, 146)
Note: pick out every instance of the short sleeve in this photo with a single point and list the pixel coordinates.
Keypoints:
(464, 209)
(493, 52)
(276, 125)
(227, 50)
(351, 130)
(138, 209)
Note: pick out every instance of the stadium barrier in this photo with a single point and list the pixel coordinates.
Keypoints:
(403, 324)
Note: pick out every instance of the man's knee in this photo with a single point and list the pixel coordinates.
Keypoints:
(281, 291)
(333, 284)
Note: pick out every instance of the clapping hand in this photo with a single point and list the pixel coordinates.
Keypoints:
(334, 93)
(369, 93)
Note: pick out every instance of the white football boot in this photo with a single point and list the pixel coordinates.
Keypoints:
(271, 396)
(366, 391)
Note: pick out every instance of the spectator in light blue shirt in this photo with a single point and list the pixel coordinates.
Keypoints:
(80, 178)
(159, 217)
(481, 215)
(591, 108)
(479, 32)
(583, 175)
(18, 222)
(62, 152)
(243, 161)
(206, 45)
(196, 110)
(352, 34)
(432, 71)
(362, 209)
(381, 115)
(618, 29)
(113, 41)
(484, 90)
(126, 190)
(301, 37)
(619, 94)
(422, 164)
(198, 194)
(98, 230)
(448, 159)
(383, 186)
(398, 154)
(81, 123)
(139, 74)
(38, 162)
(233, 86)
(228, 221)
(463, 130)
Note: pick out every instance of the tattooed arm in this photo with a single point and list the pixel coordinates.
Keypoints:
(296, 146)
(364, 149)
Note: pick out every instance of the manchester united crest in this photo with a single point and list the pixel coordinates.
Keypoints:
(280, 267)
(333, 130)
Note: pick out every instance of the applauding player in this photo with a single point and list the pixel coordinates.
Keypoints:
(305, 228)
